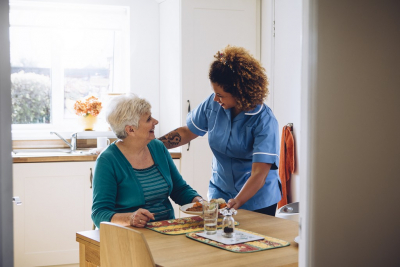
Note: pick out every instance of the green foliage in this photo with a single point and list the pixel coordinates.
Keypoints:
(31, 98)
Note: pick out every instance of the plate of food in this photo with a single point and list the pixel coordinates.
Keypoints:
(197, 208)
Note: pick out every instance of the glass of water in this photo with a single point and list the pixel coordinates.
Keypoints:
(210, 216)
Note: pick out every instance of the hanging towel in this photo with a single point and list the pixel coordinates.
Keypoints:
(286, 162)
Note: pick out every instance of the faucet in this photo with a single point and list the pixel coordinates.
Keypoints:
(72, 145)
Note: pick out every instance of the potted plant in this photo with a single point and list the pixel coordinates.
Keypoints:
(88, 108)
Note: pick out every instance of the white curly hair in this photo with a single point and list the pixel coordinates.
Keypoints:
(126, 110)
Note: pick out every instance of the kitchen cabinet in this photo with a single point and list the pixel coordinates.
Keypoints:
(56, 203)
(191, 33)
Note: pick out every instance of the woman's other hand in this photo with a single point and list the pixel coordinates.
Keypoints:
(233, 203)
(140, 218)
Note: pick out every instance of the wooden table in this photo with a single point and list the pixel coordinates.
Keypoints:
(178, 250)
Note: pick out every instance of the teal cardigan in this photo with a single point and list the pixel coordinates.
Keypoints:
(117, 190)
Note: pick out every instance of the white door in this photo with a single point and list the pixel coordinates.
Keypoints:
(206, 27)
(282, 52)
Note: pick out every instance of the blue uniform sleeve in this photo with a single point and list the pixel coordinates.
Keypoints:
(266, 142)
(197, 119)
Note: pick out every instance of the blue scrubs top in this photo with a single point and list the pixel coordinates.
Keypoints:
(252, 136)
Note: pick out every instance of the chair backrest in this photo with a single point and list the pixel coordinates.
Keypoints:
(123, 247)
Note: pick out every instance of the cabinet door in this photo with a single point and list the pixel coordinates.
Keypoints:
(207, 26)
(56, 203)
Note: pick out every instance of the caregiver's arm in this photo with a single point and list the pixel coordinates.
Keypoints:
(177, 137)
(259, 172)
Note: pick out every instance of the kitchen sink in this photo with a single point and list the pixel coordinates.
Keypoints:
(48, 152)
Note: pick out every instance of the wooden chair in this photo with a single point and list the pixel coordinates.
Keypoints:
(123, 247)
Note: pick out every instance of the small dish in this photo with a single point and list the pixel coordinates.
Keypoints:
(189, 205)
(198, 213)
(297, 239)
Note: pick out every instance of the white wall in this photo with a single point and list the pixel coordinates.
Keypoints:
(145, 52)
(352, 134)
(170, 66)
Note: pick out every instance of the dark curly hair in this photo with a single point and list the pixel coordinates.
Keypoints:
(241, 75)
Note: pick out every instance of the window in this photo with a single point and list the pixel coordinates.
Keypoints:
(61, 53)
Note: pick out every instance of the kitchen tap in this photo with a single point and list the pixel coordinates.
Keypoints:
(72, 145)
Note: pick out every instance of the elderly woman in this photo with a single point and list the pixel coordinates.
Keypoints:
(135, 175)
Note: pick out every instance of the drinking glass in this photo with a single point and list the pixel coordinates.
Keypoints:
(210, 216)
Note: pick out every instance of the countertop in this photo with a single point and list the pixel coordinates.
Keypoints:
(84, 145)
(67, 158)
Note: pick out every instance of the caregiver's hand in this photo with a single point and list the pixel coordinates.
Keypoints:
(234, 203)
(140, 218)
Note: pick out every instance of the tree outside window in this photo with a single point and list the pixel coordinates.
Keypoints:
(61, 53)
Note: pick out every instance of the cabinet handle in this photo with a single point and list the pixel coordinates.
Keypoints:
(91, 177)
(188, 112)
(17, 200)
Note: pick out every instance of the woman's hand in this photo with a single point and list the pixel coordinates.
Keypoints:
(233, 203)
(197, 199)
(140, 218)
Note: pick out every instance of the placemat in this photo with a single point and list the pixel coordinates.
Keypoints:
(181, 226)
(252, 246)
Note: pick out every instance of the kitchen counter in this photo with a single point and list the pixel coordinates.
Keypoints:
(22, 147)
(66, 158)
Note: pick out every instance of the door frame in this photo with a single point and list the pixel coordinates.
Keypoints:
(6, 204)
(308, 73)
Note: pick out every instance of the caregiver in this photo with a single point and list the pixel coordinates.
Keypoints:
(242, 133)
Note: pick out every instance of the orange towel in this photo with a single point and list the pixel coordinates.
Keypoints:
(286, 163)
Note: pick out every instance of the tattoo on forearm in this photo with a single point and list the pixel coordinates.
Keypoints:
(171, 139)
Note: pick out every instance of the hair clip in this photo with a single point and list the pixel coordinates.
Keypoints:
(221, 58)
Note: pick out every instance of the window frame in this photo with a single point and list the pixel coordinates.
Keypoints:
(121, 79)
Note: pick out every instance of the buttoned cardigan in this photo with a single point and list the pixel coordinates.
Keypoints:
(117, 190)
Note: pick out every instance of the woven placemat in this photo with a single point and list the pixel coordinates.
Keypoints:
(181, 226)
(252, 246)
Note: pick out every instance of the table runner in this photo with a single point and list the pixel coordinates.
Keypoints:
(252, 246)
(181, 226)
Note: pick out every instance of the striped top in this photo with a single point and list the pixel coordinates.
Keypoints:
(155, 190)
